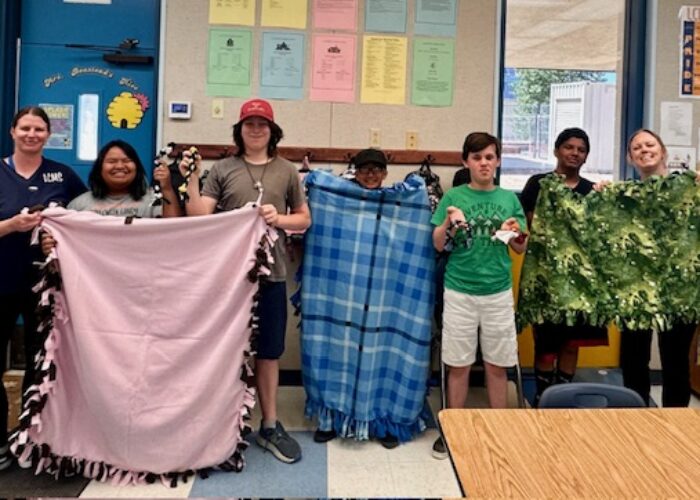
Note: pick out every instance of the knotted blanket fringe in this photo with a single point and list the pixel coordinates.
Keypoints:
(40, 455)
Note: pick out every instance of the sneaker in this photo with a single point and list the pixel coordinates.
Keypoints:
(439, 449)
(5, 457)
(281, 444)
(389, 442)
(324, 436)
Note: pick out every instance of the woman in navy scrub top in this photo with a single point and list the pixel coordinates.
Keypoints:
(27, 179)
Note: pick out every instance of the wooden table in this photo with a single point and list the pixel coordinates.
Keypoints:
(575, 453)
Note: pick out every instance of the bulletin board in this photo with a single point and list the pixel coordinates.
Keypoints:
(316, 123)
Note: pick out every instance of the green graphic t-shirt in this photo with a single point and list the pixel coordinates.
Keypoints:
(478, 265)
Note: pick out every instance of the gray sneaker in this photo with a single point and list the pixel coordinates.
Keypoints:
(281, 444)
(439, 449)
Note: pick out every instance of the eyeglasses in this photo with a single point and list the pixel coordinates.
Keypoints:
(370, 169)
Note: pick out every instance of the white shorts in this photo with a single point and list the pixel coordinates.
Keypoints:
(461, 318)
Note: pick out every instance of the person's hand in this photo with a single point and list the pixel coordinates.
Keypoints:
(456, 216)
(47, 242)
(24, 221)
(189, 158)
(161, 173)
(510, 224)
(697, 177)
(269, 213)
(600, 185)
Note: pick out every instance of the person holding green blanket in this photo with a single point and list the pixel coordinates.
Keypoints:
(647, 153)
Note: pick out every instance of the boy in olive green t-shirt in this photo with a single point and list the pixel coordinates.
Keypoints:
(478, 283)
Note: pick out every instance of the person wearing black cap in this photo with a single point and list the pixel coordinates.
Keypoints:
(370, 168)
(370, 172)
(257, 172)
(556, 346)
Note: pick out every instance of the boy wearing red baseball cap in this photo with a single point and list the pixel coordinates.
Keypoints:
(257, 172)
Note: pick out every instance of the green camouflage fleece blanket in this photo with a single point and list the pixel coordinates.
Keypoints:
(628, 254)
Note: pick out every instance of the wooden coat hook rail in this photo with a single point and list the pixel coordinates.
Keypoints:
(332, 155)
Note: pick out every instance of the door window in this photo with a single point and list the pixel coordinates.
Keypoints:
(88, 126)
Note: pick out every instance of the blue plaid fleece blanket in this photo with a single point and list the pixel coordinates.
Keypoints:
(367, 298)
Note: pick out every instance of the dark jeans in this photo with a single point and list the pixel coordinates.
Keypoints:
(674, 348)
(11, 307)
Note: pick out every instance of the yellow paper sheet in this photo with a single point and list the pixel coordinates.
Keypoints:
(284, 13)
(384, 69)
(232, 12)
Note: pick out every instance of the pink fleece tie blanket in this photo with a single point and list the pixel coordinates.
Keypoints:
(148, 327)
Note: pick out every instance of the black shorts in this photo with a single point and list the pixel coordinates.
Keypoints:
(550, 337)
(272, 311)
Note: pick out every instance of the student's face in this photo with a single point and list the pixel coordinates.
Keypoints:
(30, 134)
(256, 133)
(118, 171)
(370, 175)
(482, 165)
(571, 155)
(647, 154)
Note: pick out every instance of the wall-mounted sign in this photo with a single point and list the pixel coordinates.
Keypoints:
(91, 70)
(690, 51)
(50, 80)
(61, 117)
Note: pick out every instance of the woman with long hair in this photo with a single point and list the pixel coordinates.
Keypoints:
(118, 185)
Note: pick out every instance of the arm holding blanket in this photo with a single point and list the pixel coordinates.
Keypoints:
(519, 243)
(20, 223)
(196, 203)
(298, 219)
(454, 220)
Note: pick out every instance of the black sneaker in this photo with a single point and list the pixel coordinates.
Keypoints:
(439, 449)
(5, 457)
(281, 444)
(389, 442)
(324, 436)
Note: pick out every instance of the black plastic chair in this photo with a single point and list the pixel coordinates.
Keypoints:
(590, 395)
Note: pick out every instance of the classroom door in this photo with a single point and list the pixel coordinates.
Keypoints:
(92, 64)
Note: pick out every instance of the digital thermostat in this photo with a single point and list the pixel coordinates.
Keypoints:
(180, 110)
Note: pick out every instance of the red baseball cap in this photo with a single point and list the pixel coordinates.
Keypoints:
(257, 107)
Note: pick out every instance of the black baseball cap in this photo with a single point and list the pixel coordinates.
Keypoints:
(370, 155)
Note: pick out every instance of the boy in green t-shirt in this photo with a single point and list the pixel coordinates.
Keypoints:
(478, 218)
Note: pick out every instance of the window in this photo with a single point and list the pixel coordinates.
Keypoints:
(563, 67)
(88, 113)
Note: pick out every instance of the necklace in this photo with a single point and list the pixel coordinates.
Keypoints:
(257, 184)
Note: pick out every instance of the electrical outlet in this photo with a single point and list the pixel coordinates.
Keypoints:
(217, 109)
(411, 140)
(375, 138)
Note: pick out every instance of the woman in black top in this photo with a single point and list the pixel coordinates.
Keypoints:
(27, 179)
(647, 153)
